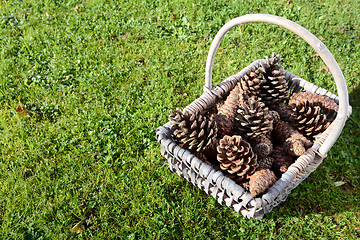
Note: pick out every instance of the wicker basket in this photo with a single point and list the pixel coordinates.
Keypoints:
(212, 181)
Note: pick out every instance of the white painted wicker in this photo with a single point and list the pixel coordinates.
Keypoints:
(212, 181)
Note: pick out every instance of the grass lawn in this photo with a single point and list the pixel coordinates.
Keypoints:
(98, 78)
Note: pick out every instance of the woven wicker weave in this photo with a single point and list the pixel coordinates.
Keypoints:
(213, 181)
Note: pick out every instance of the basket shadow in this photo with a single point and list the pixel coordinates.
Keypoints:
(331, 188)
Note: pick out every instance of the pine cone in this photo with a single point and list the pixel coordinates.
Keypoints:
(265, 162)
(262, 146)
(236, 157)
(284, 111)
(253, 119)
(192, 130)
(203, 158)
(261, 181)
(211, 111)
(226, 112)
(273, 88)
(294, 147)
(274, 116)
(312, 113)
(294, 143)
(249, 84)
(282, 161)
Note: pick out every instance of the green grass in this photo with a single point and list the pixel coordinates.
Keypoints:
(99, 79)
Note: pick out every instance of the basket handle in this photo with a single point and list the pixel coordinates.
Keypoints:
(314, 42)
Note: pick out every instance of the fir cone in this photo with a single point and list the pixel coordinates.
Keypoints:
(211, 111)
(193, 131)
(274, 116)
(236, 157)
(283, 130)
(211, 152)
(253, 119)
(261, 181)
(284, 111)
(262, 146)
(282, 161)
(312, 113)
(294, 143)
(294, 147)
(202, 157)
(226, 112)
(206, 160)
(249, 84)
(265, 162)
(273, 88)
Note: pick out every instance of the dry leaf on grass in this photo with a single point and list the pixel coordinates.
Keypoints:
(22, 111)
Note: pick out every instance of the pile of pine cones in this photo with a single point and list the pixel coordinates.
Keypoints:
(258, 130)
